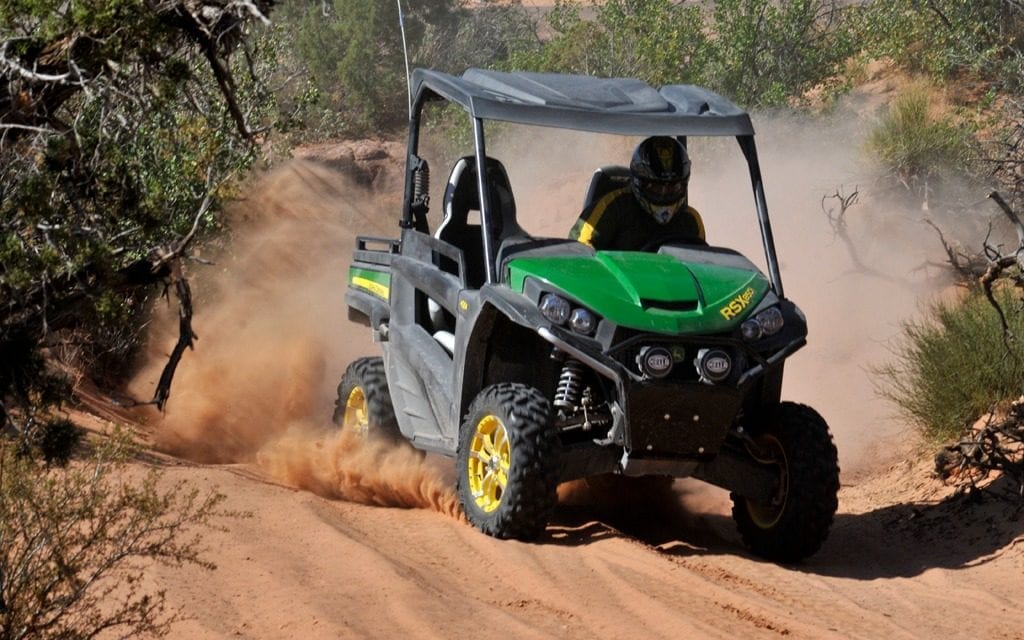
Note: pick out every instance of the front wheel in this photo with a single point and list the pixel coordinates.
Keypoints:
(364, 403)
(508, 462)
(794, 524)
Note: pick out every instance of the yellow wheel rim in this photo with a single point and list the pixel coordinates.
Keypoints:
(767, 515)
(357, 413)
(490, 454)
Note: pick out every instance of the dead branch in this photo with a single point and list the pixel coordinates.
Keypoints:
(1012, 216)
(968, 266)
(999, 264)
(987, 280)
(840, 229)
(837, 220)
(34, 85)
(995, 448)
(186, 336)
(938, 12)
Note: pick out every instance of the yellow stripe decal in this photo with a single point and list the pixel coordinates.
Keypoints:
(375, 288)
(700, 221)
(587, 232)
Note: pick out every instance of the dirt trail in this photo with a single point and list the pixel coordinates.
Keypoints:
(306, 567)
(365, 543)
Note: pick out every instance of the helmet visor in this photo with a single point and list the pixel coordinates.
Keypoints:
(662, 191)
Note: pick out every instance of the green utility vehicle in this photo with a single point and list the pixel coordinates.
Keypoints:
(537, 360)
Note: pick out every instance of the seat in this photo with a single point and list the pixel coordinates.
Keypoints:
(604, 181)
(461, 196)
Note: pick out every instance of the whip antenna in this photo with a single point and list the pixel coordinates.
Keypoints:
(405, 51)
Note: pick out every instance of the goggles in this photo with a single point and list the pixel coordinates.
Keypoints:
(662, 191)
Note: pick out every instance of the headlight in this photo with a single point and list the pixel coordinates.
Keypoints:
(770, 320)
(767, 323)
(582, 321)
(751, 330)
(555, 308)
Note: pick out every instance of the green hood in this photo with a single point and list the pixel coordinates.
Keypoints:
(649, 291)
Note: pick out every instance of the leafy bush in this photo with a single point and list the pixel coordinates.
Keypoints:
(915, 145)
(74, 543)
(351, 53)
(658, 41)
(758, 52)
(946, 37)
(766, 53)
(955, 365)
(121, 123)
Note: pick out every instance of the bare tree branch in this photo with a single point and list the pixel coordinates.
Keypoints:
(969, 266)
(999, 264)
(840, 229)
(1012, 216)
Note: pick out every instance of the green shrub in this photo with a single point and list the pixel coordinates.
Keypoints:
(946, 37)
(658, 41)
(351, 58)
(766, 53)
(954, 365)
(915, 145)
(97, 173)
(758, 52)
(75, 541)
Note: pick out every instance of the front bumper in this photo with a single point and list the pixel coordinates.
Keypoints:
(678, 421)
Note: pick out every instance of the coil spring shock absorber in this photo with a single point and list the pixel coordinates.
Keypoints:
(421, 184)
(570, 385)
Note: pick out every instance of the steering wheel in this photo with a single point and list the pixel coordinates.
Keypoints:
(672, 238)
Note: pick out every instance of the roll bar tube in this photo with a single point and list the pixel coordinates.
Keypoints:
(412, 149)
(484, 189)
(746, 143)
(750, 152)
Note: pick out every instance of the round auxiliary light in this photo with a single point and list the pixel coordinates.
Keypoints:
(582, 321)
(656, 362)
(751, 330)
(555, 308)
(714, 365)
(770, 320)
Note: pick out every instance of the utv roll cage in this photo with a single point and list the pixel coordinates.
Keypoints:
(601, 105)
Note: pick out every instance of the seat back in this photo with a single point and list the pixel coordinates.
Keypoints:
(462, 196)
(604, 181)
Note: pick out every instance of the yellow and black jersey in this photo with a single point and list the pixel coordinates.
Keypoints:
(618, 222)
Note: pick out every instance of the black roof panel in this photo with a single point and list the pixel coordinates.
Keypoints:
(606, 105)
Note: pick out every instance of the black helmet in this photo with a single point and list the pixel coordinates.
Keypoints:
(660, 172)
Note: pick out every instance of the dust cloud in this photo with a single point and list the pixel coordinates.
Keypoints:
(340, 465)
(274, 341)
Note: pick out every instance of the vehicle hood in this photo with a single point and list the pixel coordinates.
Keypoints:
(649, 291)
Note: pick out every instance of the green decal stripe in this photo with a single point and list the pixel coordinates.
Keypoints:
(376, 282)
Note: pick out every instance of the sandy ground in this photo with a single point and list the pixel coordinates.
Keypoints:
(346, 541)
(900, 563)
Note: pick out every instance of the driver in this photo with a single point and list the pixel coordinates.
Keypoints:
(653, 206)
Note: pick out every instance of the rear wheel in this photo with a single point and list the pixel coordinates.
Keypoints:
(364, 404)
(508, 462)
(795, 522)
